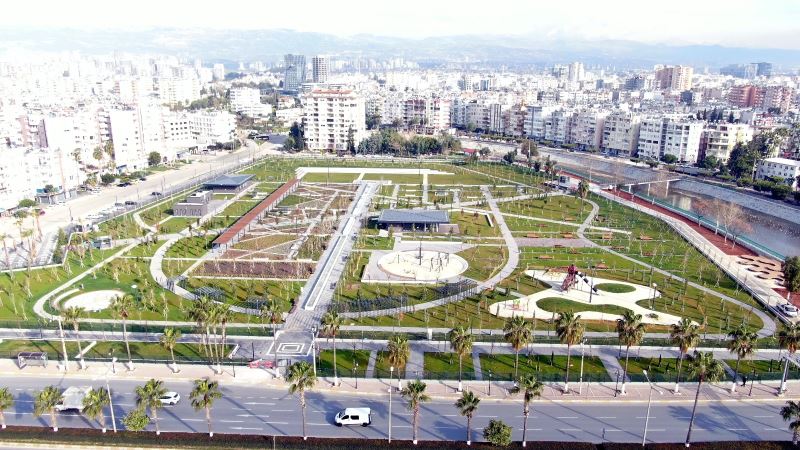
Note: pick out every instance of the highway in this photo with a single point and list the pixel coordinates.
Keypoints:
(256, 410)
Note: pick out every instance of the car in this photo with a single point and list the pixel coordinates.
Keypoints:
(124, 184)
(353, 416)
(142, 178)
(261, 364)
(788, 310)
(130, 203)
(170, 398)
(156, 194)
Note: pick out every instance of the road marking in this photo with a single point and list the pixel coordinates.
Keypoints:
(282, 410)
(764, 417)
(319, 424)
(569, 429)
(567, 417)
(770, 429)
(249, 415)
(194, 420)
(520, 429)
(318, 411)
(653, 429)
(401, 426)
(231, 421)
(644, 417)
(246, 428)
(609, 430)
(606, 417)
(737, 429)
(278, 423)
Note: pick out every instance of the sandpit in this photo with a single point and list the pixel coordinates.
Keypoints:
(423, 266)
(93, 301)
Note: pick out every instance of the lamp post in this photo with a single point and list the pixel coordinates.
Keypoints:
(616, 385)
(355, 374)
(390, 407)
(649, 399)
(491, 375)
(63, 345)
(313, 348)
(580, 378)
(110, 407)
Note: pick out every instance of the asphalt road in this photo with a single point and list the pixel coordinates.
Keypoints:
(255, 410)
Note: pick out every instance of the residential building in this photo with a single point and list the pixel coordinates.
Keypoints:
(747, 71)
(670, 135)
(331, 116)
(247, 101)
(587, 129)
(212, 127)
(219, 72)
(294, 72)
(675, 78)
(320, 68)
(720, 138)
(787, 169)
(621, 133)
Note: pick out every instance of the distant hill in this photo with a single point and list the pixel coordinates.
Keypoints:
(270, 45)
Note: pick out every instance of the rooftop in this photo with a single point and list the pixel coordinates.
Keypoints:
(784, 161)
(228, 180)
(413, 216)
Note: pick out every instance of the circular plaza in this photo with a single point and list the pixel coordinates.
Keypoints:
(423, 265)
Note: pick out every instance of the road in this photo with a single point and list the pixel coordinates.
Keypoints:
(57, 216)
(256, 410)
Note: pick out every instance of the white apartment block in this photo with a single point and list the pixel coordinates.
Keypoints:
(328, 117)
(670, 135)
(289, 116)
(788, 169)
(247, 101)
(587, 128)
(720, 138)
(621, 133)
(536, 118)
(432, 113)
(557, 126)
(178, 90)
(320, 69)
(212, 127)
(24, 173)
(126, 134)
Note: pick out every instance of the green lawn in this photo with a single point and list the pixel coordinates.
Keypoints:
(176, 224)
(561, 207)
(474, 224)
(146, 250)
(330, 178)
(345, 361)
(395, 178)
(658, 369)
(614, 288)
(558, 305)
(139, 350)
(544, 367)
(445, 366)
(191, 247)
(484, 261)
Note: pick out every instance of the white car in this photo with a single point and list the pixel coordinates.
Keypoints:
(354, 416)
(170, 398)
(788, 310)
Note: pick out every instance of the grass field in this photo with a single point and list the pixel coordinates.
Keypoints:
(330, 178)
(558, 305)
(545, 367)
(484, 261)
(445, 366)
(560, 207)
(615, 288)
(139, 350)
(345, 361)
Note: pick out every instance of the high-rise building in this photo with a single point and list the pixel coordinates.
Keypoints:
(670, 135)
(747, 71)
(621, 133)
(294, 72)
(675, 78)
(320, 68)
(331, 117)
(764, 69)
(219, 71)
(720, 138)
(576, 72)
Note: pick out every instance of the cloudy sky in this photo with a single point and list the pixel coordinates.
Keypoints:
(747, 23)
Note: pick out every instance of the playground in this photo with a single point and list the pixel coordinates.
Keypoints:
(93, 301)
(574, 286)
(423, 265)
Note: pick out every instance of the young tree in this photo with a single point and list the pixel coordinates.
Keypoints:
(461, 342)
(467, 405)
(685, 335)
(531, 389)
(630, 330)
(497, 433)
(415, 395)
(122, 306)
(203, 396)
(6, 402)
(153, 159)
(517, 332)
(791, 273)
(398, 353)
(570, 332)
(93, 405)
(792, 412)
(331, 322)
(742, 343)
(301, 378)
(72, 316)
(703, 367)
(135, 420)
(271, 312)
(149, 396)
(45, 402)
(169, 340)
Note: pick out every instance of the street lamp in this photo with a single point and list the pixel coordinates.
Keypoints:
(649, 399)
(580, 379)
(491, 375)
(390, 407)
(355, 374)
(63, 345)
(313, 348)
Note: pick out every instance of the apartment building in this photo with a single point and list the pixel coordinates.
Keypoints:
(330, 115)
(178, 90)
(212, 127)
(557, 126)
(320, 69)
(294, 73)
(247, 101)
(536, 117)
(670, 135)
(788, 169)
(432, 113)
(621, 133)
(675, 78)
(587, 128)
(719, 139)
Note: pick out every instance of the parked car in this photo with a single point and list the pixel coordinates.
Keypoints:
(156, 194)
(170, 398)
(788, 310)
(354, 416)
(130, 203)
(261, 364)
(124, 183)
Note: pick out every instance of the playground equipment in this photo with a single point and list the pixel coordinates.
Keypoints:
(573, 278)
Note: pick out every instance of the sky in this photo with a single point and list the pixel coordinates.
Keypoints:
(745, 23)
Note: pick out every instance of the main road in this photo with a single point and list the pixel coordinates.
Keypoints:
(256, 410)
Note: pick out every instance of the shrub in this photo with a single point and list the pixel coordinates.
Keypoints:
(135, 420)
(780, 191)
(497, 433)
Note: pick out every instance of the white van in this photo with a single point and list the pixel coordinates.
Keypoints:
(354, 416)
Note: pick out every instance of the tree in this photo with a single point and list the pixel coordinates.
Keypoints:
(669, 158)
(415, 395)
(570, 332)
(331, 322)
(710, 162)
(94, 403)
(398, 353)
(780, 191)
(203, 396)
(703, 367)
(510, 157)
(301, 378)
(121, 306)
(271, 312)
(531, 389)
(497, 433)
(630, 330)
(136, 420)
(467, 404)
(296, 133)
(153, 159)
(685, 335)
(742, 343)
(792, 412)
(461, 342)
(107, 178)
(742, 160)
(149, 396)
(169, 340)
(791, 273)
(45, 402)
(26, 203)
(517, 332)
(351, 141)
(6, 402)
(72, 316)
(789, 338)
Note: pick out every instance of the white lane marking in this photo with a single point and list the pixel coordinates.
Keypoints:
(609, 430)
(520, 429)
(654, 429)
(567, 417)
(246, 428)
(770, 429)
(764, 417)
(569, 429)
(282, 410)
(401, 426)
(250, 415)
(319, 424)
(193, 420)
(259, 403)
(737, 429)
(278, 423)
(606, 417)
(231, 421)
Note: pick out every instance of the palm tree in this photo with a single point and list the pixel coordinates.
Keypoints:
(414, 393)
(467, 405)
(517, 332)
(582, 192)
(94, 403)
(203, 396)
(331, 322)
(631, 332)
(6, 402)
(72, 317)
(45, 403)
(570, 332)
(532, 388)
(122, 306)
(792, 412)
(5, 236)
(789, 338)
(149, 396)
(398, 353)
(703, 367)
(301, 378)
(743, 344)
(270, 311)
(685, 335)
(169, 340)
(461, 342)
